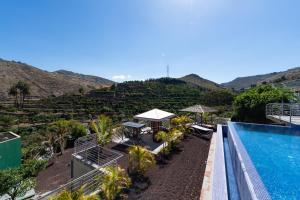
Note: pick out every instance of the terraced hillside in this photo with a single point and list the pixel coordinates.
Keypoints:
(129, 98)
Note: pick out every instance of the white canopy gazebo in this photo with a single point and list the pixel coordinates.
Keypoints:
(156, 117)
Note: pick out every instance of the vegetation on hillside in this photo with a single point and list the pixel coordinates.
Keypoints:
(127, 99)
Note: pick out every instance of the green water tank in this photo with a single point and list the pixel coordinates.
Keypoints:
(10, 150)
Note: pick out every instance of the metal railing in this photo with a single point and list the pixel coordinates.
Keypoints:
(85, 142)
(89, 182)
(88, 151)
(283, 111)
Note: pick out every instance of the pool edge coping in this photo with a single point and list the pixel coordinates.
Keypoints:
(258, 190)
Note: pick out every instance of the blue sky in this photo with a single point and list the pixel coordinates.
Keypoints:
(136, 39)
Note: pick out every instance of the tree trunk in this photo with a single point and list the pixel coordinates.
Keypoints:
(16, 101)
(61, 144)
(23, 99)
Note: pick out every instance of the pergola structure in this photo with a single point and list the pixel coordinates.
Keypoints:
(199, 109)
(155, 117)
(135, 128)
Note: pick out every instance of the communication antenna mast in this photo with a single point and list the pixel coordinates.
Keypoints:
(168, 71)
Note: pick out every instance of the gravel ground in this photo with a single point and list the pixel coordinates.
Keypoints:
(181, 178)
(57, 174)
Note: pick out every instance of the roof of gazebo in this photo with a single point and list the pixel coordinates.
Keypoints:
(199, 109)
(155, 115)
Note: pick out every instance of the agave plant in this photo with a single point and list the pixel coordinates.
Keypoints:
(140, 159)
(114, 181)
(103, 128)
(77, 195)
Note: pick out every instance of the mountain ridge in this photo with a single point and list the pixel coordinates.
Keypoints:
(289, 78)
(44, 83)
(197, 80)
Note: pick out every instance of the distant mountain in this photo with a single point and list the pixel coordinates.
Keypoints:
(246, 82)
(44, 83)
(289, 78)
(201, 82)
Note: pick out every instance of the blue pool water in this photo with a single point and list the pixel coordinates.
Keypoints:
(275, 153)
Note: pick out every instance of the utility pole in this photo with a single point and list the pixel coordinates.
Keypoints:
(168, 71)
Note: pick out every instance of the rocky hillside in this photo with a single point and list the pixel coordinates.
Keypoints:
(289, 78)
(246, 82)
(89, 78)
(201, 82)
(44, 83)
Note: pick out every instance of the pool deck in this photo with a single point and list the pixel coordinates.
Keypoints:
(214, 185)
(285, 119)
(206, 191)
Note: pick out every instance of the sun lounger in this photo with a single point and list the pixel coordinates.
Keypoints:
(209, 126)
(201, 128)
(202, 131)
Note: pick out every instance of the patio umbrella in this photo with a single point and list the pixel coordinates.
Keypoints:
(199, 109)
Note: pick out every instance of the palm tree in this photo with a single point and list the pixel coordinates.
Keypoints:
(24, 91)
(169, 138)
(19, 90)
(140, 160)
(181, 123)
(77, 195)
(165, 137)
(114, 181)
(13, 91)
(61, 129)
(103, 128)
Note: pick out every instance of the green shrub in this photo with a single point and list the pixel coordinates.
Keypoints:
(7, 120)
(77, 129)
(250, 105)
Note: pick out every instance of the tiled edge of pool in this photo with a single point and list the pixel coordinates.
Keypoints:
(214, 183)
(248, 180)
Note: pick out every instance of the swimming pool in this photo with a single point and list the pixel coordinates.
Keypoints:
(275, 154)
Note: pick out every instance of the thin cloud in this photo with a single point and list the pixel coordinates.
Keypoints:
(121, 77)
